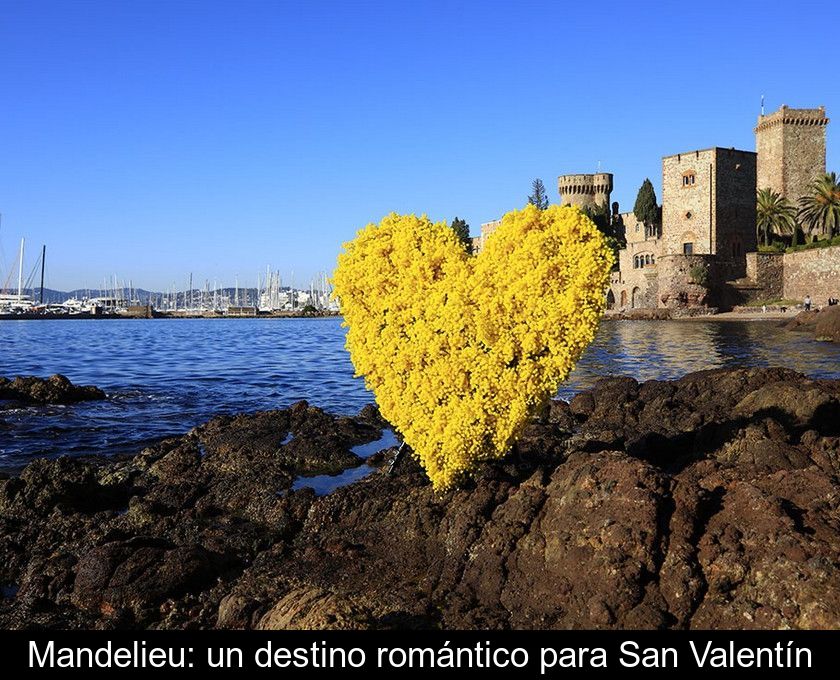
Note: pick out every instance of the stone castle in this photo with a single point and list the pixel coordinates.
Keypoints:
(703, 254)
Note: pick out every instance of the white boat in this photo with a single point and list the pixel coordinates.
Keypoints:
(11, 303)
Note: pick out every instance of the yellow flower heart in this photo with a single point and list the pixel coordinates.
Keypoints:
(458, 350)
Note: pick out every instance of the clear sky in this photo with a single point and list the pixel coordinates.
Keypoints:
(150, 139)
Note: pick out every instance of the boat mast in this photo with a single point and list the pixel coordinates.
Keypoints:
(20, 271)
(43, 261)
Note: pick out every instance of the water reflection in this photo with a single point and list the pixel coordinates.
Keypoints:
(165, 376)
(661, 350)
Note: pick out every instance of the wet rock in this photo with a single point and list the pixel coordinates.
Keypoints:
(805, 320)
(63, 484)
(53, 390)
(828, 324)
(823, 323)
(302, 440)
(134, 575)
(642, 314)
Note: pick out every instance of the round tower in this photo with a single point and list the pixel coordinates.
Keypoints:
(586, 191)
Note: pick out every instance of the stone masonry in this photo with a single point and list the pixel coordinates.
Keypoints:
(585, 191)
(708, 203)
(791, 150)
(814, 272)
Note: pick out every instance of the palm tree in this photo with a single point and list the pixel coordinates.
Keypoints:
(774, 215)
(820, 209)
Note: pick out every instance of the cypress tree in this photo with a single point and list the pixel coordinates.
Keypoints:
(646, 209)
(462, 231)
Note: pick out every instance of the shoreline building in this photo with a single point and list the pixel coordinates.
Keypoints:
(704, 251)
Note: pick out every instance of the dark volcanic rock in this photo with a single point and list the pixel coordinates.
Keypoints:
(708, 502)
(823, 323)
(130, 579)
(53, 390)
(828, 324)
(805, 320)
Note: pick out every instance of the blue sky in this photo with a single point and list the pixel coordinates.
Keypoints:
(151, 139)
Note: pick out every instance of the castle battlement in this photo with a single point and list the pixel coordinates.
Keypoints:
(586, 190)
(790, 116)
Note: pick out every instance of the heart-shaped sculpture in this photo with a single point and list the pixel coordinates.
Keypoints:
(460, 350)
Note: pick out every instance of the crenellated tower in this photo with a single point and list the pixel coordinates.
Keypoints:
(586, 191)
(791, 150)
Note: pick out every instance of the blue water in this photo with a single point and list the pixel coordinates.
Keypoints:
(165, 376)
(324, 484)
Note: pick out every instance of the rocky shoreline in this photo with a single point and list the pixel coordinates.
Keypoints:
(57, 389)
(712, 501)
(823, 323)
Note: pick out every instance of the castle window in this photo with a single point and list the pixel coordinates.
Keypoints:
(647, 259)
(688, 249)
(689, 178)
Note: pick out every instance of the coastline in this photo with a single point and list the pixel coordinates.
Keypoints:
(159, 316)
(641, 314)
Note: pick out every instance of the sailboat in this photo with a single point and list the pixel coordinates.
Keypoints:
(19, 303)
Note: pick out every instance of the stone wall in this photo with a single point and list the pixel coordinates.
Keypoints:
(487, 228)
(686, 281)
(769, 143)
(687, 208)
(766, 272)
(708, 200)
(634, 288)
(734, 232)
(813, 272)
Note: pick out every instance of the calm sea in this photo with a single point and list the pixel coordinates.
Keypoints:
(165, 376)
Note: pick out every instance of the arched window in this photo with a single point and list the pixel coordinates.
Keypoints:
(647, 259)
(689, 178)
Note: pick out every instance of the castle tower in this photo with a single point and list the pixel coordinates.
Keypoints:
(586, 191)
(791, 150)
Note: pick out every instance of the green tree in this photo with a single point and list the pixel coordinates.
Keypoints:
(610, 226)
(539, 197)
(773, 215)
(462, 231)
(600, 215)
(820, 209)
(646, 209)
